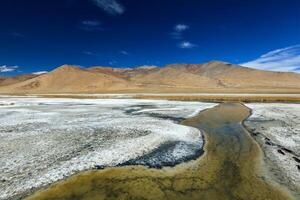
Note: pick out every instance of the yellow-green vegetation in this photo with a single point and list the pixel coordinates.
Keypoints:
(229, 169)
(236, 98)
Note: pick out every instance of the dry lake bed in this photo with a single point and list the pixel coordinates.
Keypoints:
(203, 145)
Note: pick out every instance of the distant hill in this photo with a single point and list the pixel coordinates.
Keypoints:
(214, 76)
(9, 80)
(68, 79)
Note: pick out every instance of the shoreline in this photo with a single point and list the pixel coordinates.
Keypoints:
(211, 97)
(169, 167)
(116, 176)
(278, 171)
(263, 167)
(177, 167)
(147, 126)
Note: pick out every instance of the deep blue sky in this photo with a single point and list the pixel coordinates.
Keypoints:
(41, 35)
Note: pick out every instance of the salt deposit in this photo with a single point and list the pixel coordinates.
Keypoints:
(44, 140)
(276, 126)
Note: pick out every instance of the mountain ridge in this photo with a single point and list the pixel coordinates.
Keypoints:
(215, 76)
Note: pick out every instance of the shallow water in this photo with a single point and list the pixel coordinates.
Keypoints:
(46, 140)
(229, 169)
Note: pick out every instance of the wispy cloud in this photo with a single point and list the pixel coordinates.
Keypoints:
(17, 34)
(178, 29)
(186, 45)
(5, 68)
(90, 53)
(177, 34)
(91, 25)
(112, 7)
(40, 72)
(285, 59)
(181, 27)
(124, 53)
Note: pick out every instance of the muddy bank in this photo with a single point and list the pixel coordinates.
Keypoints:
(229, 169)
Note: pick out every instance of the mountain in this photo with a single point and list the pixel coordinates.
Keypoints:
(213, 76)
(125, 73)
(107, 70)
(69, 79)
(225, 76)
(9, 80)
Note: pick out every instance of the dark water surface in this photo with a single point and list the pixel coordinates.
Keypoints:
(229, 169)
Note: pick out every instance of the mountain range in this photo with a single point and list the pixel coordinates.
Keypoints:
(214, 76)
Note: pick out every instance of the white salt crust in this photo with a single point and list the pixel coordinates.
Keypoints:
(44, 140)
(279, 125)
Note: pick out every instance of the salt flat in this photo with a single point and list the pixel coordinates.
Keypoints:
(276, 127)
(44, 140)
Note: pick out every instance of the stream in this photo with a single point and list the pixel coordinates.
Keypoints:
(230, 168)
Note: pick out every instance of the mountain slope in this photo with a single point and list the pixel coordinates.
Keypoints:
(69, 79)
(9, 80)
(221, 77)
(214, 76)
(125, 73)
(235, 76)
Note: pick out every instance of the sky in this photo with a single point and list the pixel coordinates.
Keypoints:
(38, 36)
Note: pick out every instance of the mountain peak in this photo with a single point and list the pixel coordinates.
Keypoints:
(101, 67)
(146, 67)
(66, 67)
(217, 62)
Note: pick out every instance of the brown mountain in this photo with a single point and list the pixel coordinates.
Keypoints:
(69, 79)
(125, 73)
(225, 77)
(214, 76)
(9, 80)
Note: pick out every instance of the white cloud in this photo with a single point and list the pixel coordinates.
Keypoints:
(5, 68)
(112, 7)
(91, 25)
(124, 52)
(186, 45)
(181, 27)
(40, 72)
(178, 30)
(285, 59)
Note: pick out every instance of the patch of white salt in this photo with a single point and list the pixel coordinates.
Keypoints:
(45, 139)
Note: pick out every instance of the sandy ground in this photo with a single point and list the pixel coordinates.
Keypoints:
(277, 129)
(45, 140)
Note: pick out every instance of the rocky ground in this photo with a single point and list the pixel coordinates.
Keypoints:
(276, 127)
(45, 140)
